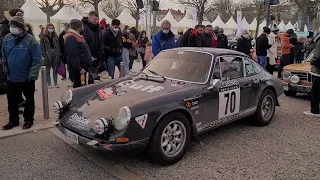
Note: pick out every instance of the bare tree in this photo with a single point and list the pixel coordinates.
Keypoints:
(132, 6)
(307, 8)
(203, 7)
(50, 7)
(7, 5)
(112, 8)
(225, 9)
(94, 3)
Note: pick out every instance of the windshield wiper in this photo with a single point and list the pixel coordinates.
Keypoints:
(164, 78)
(144, 74)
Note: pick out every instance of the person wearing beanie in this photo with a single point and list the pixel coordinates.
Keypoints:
(262, 46)
(77, 52)
(22, 58)
(286, 51)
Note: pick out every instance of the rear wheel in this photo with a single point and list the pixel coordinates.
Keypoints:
(170, 140)
(290, 93)
(266, 108)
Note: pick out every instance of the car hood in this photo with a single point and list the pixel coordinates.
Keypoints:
(106, 101)
(304, 67)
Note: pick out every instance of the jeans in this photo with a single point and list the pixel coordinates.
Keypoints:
(262, 60)
(125, 59)
(15, 90)
(144, 63)
(131, 61)
(315, 95)
(55, 76)
(112, 62)
(285, 60)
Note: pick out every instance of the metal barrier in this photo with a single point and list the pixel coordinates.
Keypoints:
(45, 99)
(122, 70)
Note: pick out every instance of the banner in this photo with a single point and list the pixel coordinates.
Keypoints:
(194, 16)
(308, 24)
(239, 22)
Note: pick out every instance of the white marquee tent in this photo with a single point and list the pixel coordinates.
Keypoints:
(305, 28)
(186, 22)
(262, 24)
(218, 22)
(282, 26)
(230, 26)
(102, 14)
(253, 25)
(126, 18)
(66, 14)
(245, 24)
(174, 23)
(289, 26)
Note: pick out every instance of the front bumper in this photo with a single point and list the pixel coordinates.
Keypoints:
(130, 148)
(297, 88)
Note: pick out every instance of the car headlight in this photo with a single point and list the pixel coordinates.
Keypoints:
(67, 97)
(286, 74)
(122, 119)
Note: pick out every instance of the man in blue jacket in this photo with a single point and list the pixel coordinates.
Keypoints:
(164, 39)
(21, 54)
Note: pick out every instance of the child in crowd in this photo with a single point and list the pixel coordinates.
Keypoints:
(148, 54)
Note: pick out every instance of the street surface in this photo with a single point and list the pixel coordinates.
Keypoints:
(286, 149)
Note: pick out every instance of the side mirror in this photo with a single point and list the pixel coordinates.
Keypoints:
(215, 83)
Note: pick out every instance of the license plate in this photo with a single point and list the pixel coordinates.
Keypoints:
(72, 136)
(286, 88)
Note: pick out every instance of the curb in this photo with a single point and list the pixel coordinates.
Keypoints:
(18, 130)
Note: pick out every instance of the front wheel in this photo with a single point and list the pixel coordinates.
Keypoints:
(170, 140)
(290, 93)
(266, 108)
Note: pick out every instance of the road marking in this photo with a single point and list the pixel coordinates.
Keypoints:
(106, 163)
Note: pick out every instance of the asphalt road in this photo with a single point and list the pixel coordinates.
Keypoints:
(286, 149)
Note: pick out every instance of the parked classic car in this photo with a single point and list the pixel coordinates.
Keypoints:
(182, 93)
(296, 78)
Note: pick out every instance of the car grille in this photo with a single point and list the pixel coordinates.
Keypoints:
(302, 76)
(310, 78)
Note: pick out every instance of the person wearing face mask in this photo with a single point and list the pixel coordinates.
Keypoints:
(50, 46)
(244, 44)
(207, 36)
(262, 45)
(93, 36)
(29, 29)
(127, 45)
(113, 46)
(164, 39)
(22, 59)
(77, 52)
(143, 39)
(194, 38)
(286, 51)
(273, 51)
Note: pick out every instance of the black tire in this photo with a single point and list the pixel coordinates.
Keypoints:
(259, 120)
(154, 150)
(290, 93)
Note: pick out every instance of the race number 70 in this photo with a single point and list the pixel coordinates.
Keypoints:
(229, 102)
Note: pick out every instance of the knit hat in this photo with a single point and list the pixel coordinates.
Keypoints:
(267, 30)
(13, 12)
(76, 24)
(275, 28)
(18, 21)
(290, 31)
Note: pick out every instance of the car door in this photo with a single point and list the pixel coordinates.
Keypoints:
(233, 95)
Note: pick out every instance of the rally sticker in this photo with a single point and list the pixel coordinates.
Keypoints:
(105, 93)
(142, 120)
(229, 99)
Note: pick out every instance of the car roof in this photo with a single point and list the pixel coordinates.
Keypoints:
(214, 51)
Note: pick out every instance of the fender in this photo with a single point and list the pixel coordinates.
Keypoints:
(264, 86)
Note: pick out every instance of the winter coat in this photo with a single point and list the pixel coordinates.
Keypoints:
(62, 48)
(22, 57)
(206, 40)
(244, 45)
(315, 61)
(4, 30)
(183, 39)
(126, 42)
(133, 49)
(112, 45)
(142, 45)
(272, 52)
(262, 45)
(77, 52)
(194, 40)
(50, 55)
(148, 55)
(286, 46)
(162, 42)
(93, 36)
(222, 41)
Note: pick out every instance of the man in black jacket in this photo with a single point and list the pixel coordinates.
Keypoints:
(194, 38)
(222, 39)
(62, 48)
(183, 39)
(262, 45)
(207, 36)
(93, 36)
(244, 43)
(113, 46)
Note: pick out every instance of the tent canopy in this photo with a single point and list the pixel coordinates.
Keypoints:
(253, 24)
(32, 11)
(218, 22)
(102, 14)
(289, 26)
(186, 22)
(245, 24)
(169, 17)
(231, 24)
(282, 26)
(126, 18)
(66, 14)
(262, 24)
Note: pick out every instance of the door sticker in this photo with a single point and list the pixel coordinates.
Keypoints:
(229, 100)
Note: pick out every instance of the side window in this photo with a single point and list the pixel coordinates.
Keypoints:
(251, 67)
(231, 67)
(216, 69)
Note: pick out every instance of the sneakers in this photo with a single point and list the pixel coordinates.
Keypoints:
(56, 86)
(9, 126)
(308, 113)
(63, 78)
(50, 86)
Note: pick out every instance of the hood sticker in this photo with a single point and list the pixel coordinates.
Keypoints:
(105, 93)
(142, 120)
(78, 122)
(134, 85)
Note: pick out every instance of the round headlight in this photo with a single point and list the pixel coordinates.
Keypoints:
(57, 107)
(122, 119)
(67, 97)
(101, 125)
(295, 79)
(286, 74)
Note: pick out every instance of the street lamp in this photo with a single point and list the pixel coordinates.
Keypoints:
(269, 3)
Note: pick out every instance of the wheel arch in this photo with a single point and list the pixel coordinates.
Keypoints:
(270, 87)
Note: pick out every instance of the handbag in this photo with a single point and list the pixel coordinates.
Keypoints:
(62, 70)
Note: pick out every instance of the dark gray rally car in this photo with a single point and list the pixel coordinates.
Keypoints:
(182, 93)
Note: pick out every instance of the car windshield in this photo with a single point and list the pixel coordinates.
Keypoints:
(182, 65)
(309, 58)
